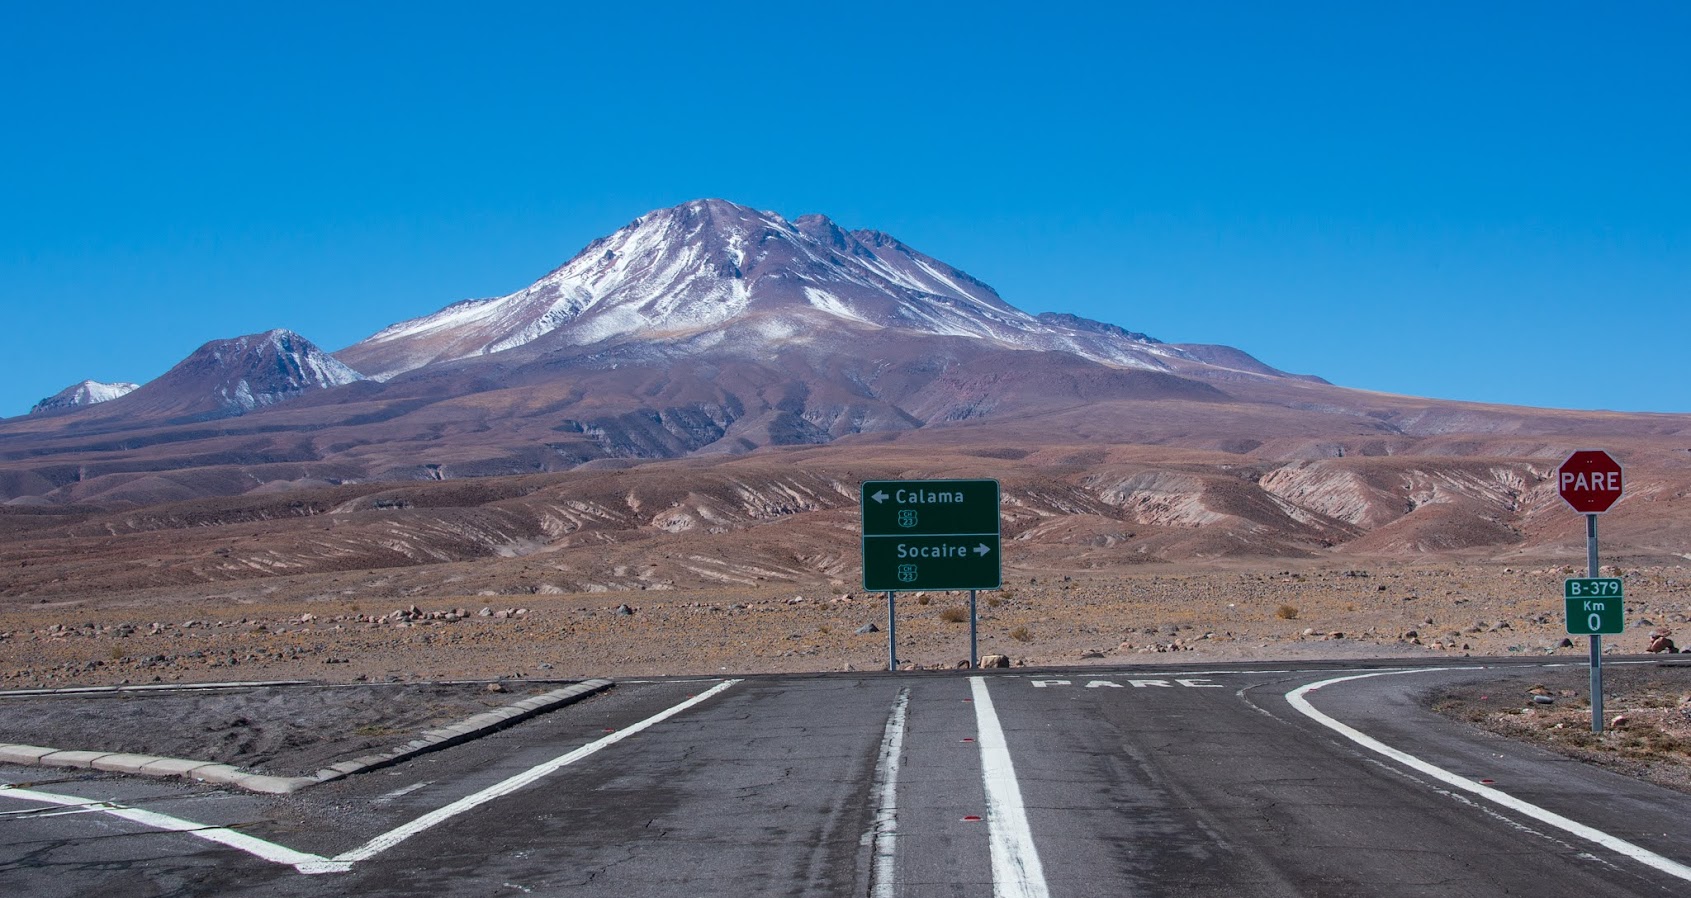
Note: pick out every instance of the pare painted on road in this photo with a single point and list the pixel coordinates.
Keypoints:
(1187, 682)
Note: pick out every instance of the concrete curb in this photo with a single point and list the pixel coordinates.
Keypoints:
(150, 687)
(224, 774)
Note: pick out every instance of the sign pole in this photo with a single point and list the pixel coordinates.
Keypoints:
(974, 656)
(1591, 481)
(1596, 639)
(892, 635)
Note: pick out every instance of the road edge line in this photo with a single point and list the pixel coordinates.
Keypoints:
(1573, 827)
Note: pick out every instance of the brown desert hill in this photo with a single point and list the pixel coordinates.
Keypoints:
(791, 516)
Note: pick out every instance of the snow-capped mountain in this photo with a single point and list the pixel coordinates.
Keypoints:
(89, 392)
(231, 377)
(705, 329)
(710, 274)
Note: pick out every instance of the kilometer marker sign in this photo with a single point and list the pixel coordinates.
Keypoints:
(1595, 606)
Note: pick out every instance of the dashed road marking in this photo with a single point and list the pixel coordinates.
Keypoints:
(399, 792)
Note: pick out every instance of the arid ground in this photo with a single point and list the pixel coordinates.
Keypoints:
(260, 631)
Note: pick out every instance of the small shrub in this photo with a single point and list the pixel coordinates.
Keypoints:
(1021, 634)
(1286, 612)
(923, 599)
(993, 601)
(956, 614)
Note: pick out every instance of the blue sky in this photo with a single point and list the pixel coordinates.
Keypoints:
(1418, 198)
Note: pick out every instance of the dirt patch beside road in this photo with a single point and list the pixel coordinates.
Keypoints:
(1647, 716)
(278, 730)
(291, 629)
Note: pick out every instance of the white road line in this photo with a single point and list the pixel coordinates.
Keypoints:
(883, 833)
(434, 818)
(1016, 871)
(270, 851)
(1590, 834)
(400, 792)
(312, 863)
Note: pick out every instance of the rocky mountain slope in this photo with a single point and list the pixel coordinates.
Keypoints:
(608, 413)
(225, 378)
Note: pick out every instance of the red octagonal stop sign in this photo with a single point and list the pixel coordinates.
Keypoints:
(1589, 481)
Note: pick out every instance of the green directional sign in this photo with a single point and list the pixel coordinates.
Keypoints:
(930, 535)
(1596, 606)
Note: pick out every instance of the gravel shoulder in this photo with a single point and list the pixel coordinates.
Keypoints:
(1647, 715)
(276, 730)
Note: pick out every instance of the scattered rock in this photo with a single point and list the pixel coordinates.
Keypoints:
(995, 661)
(867, 629)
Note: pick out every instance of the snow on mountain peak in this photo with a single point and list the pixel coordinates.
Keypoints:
(707, 266)
(88, 392)
(273, 366)
(237, 375)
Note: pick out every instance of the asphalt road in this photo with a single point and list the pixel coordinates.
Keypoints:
(1103, 782)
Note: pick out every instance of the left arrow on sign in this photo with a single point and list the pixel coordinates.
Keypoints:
(880, 496)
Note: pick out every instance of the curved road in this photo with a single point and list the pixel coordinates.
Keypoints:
(1097, 782)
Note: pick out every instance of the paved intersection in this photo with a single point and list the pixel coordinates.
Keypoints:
(1077, 783)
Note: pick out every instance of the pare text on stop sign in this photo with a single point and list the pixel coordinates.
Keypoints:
(1591, 481)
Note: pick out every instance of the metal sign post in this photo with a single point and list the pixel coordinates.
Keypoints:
(1596, 638)
(892, 635)
(974, 655)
